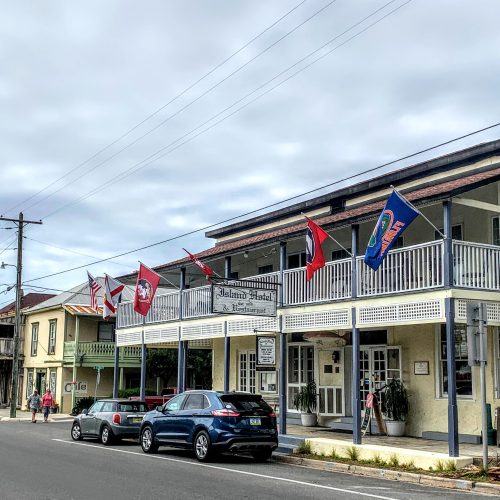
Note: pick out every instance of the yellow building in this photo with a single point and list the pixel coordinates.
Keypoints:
(67, 343)
(352, 329)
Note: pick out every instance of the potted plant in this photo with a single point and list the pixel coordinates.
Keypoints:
(396, 407)
(305, 402)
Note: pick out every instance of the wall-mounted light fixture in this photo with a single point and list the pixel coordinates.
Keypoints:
(245, 254)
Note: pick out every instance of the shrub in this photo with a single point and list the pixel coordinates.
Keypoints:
(305, 399)
(352, 453)
(334, 454)
(82, 404)
(393, 460)
(377, 459)
(439, 466)
(450, 466)
(304, 448)
(135, 391)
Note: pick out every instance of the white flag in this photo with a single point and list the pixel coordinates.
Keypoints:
(112, 294)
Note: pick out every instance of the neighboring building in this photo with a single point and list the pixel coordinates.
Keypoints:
(66, 340)
(7, 322)
(403, 311)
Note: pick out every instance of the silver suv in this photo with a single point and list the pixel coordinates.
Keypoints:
(110, 420)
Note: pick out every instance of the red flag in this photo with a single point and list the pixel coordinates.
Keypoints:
(314, 253)
(145, 289)
(207, 270)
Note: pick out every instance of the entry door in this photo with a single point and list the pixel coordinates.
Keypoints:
(246, 371)
(41, 382)
(378, 365)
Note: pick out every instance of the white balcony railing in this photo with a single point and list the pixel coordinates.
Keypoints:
(6, 347)
(419, 267)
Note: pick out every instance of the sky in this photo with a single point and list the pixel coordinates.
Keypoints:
(127, 123)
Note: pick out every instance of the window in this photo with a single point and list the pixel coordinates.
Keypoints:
(96, 407)
(268, 382)
(496, 231)
(106, 332)
(175, 403)
(29, 383)
(296, 260)
(300, 369)
(246, 371)
(196, 402)
(340, 254)
(265, 269)
(456, 233)
(463, 370)
(108, 406)
(234, 275)
(34, 339)
(52, 336)
(132, 407)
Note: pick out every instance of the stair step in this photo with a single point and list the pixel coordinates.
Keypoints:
(285, 449)
(290, 440)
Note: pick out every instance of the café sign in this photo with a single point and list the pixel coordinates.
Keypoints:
(230, 299)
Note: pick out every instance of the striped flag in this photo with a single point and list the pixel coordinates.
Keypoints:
(94, 288)
(112, 294)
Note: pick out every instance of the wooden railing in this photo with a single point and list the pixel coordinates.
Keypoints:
(6, 347)
(104, 351)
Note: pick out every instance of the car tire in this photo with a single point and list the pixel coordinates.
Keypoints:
(202, 446)
(107, 437)
(262, 455)
(147, 440)
(76, 432)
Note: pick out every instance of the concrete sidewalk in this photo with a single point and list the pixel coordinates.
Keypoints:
(25, 416)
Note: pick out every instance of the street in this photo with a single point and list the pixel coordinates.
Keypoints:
(40, 462)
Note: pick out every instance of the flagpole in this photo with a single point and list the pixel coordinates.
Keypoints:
(417, 210)
(330, 236)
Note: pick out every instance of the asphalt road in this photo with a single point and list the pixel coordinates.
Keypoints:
(39, 462)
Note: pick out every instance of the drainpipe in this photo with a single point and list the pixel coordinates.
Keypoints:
(356, 397)
(453, 446)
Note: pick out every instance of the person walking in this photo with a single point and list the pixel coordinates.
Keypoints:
(47, 403)
(34, 404)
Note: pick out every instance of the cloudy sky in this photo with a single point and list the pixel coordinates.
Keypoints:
(111, 112)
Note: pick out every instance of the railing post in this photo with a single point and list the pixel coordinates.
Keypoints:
(282, 273)
(354, 251)
(182, 286)
(227, 267)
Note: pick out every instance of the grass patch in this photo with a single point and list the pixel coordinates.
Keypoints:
(450, 466)
(377, 459)
(333, 454)
(393, 460)
(304, 448)
(439, 466)
(352, 453)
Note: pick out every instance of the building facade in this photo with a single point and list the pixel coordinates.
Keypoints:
(352, 329)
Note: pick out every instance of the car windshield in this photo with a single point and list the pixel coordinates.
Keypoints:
(245, 402)
(132, 407)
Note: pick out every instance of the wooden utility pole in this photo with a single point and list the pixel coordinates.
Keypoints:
(17, 329)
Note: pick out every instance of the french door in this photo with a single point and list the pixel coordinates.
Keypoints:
(300, 370)
(246, 371)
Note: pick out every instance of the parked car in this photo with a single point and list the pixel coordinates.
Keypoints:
(209, 422)
(110, 420)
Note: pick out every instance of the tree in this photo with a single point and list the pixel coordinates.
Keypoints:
(200, 365)
(161, 363)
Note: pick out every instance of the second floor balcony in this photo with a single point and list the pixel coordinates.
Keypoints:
(405, 270)
(6, 348)
(92, 353)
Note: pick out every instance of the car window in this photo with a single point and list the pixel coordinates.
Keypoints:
(132, 407)
(175, 403)
(107, 406)
(245, 402)
(96, 407)
(196, 402)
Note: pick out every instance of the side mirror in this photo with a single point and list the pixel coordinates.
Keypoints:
(159, 408)
(85, 411)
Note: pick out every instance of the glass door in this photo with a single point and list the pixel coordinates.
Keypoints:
(246, 371)
(300, 370)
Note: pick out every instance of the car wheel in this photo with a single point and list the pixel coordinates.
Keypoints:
(262, 455)
(202, 446)
(148, 444)
(76, 432)
(107, 436)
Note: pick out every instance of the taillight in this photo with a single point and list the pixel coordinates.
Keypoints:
(272, 414)
(117, 419)
(225, 413)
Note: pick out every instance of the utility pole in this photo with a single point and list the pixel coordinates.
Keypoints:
(17, 329)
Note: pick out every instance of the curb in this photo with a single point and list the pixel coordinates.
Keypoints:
(408, 477)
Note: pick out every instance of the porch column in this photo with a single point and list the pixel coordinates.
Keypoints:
(453, 446)
(227, 267)
(182, 286)
(75, 369)
(227, 358)
(122, 380)
(180, 367)
(356, 398)
(282, 380)
(116, 371)
(143, 369)
(448, 245)
(281, 299)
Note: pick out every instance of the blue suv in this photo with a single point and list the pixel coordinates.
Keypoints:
(210, 422)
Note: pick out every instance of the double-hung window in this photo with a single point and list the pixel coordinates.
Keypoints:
(34, 339)
(496, 231)
(52, 336)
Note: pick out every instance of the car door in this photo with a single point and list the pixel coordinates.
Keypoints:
(88, 421)
(165, 422)
(191, 415)
(105, 414)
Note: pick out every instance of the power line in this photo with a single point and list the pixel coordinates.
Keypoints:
(179, 111)
(156, 156)
(187, 89)
(291, 198)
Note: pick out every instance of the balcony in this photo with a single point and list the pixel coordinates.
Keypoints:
(6, 348)
(408, 269)
(101, 353)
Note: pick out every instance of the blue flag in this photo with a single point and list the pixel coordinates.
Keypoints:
(396, 216)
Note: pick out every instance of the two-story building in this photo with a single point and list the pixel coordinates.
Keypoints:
(352, 329)
(7, 325)
(70, 349)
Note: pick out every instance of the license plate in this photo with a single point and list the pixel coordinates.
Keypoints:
(255, 421)
(136, 420)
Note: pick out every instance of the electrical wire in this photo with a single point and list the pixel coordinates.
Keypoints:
(159, 153)
(187, 89)
(231, 219)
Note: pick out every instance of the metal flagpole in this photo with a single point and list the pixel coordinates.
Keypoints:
(330, 236)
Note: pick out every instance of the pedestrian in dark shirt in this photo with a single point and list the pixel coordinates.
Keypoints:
(34, 404)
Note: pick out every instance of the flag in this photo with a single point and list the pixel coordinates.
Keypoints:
(206, 270)
(396, 216)
(315, 236)
(112, 295)
(145, 289)
(94, 288)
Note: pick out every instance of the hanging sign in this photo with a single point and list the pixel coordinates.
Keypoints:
(266, 351)
(230, 299)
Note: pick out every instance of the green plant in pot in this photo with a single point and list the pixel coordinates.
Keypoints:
(396, 407)
(305, 402)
